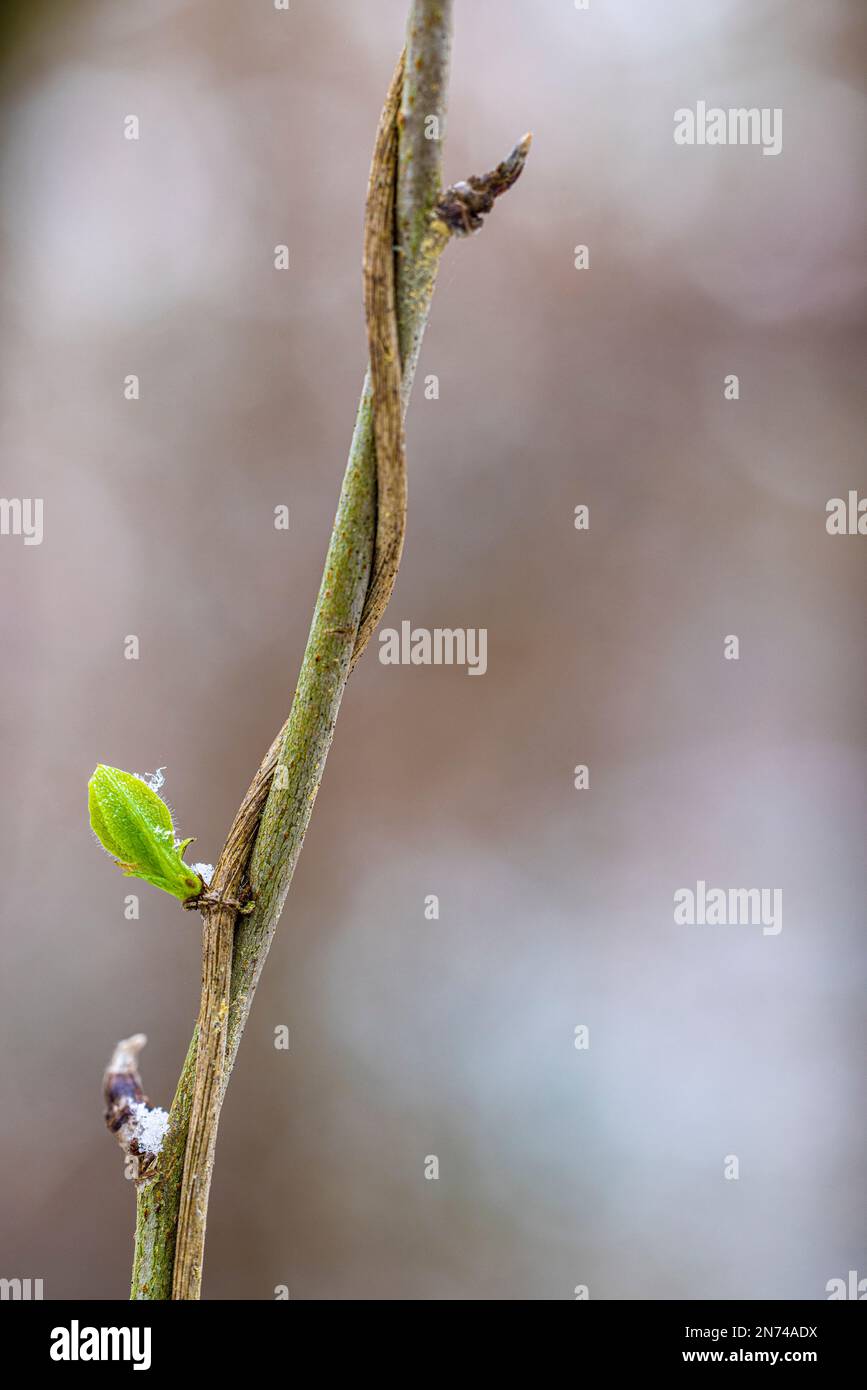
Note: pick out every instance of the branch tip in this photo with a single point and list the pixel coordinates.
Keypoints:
(124, 1059)
(463, 206)
(138, 1126)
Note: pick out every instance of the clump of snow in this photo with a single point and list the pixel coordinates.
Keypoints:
(155, 779)
(205, 872)
(150, 1126)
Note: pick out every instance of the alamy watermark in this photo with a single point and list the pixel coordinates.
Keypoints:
(846, 516)
(744, 907)
(77, 1343)
(740, 125)
(21, 1290)
(22, 516)
(439, 646)
(852, 1287)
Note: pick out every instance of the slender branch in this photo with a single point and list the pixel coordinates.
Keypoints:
(265, 841)
(217, 937)
(422, 129)
(219, 911)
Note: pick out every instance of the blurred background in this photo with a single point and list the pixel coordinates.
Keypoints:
(557, 387)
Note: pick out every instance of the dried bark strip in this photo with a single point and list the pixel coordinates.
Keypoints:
(385, 373)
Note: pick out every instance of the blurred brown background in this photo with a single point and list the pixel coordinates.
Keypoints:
(557, 387)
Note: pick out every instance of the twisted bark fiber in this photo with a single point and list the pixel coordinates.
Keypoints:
(385, 373)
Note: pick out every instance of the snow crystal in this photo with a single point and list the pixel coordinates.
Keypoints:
(154, 779)
(151, 1126)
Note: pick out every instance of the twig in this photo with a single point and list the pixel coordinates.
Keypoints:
(265, 841)
(219, 914)
(138, 1126)
(463, 206)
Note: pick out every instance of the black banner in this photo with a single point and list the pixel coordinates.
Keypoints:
(84, 1338)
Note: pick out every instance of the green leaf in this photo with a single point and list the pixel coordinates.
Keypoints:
(134, 825)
